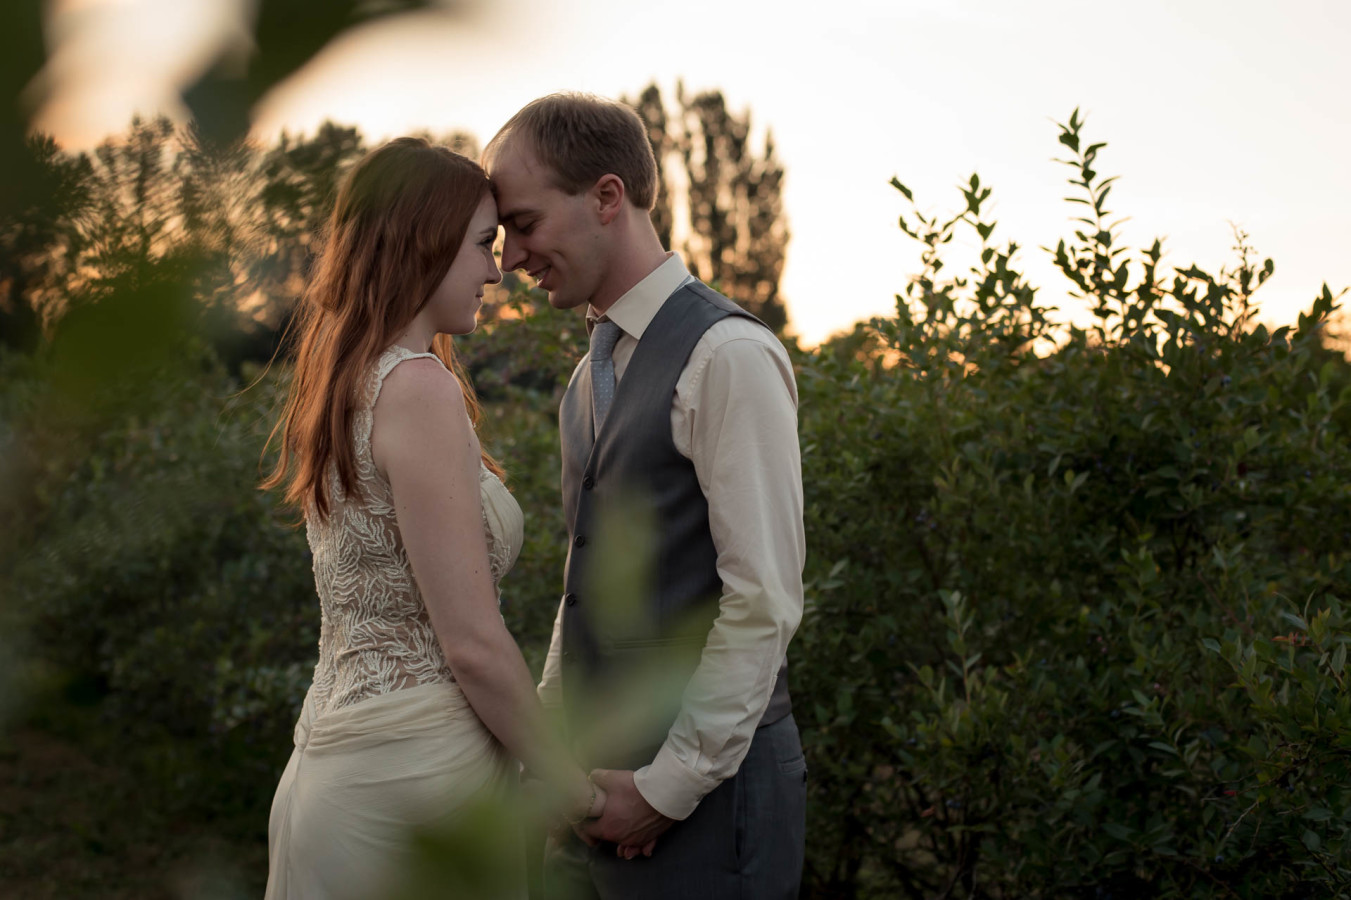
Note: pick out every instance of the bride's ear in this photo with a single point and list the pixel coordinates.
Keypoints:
(608, 195)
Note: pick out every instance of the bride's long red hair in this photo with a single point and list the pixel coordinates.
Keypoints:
(399, 219)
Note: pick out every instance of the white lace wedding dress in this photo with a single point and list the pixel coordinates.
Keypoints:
(386, 740)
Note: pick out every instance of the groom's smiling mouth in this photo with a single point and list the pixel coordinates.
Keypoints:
(540, 274)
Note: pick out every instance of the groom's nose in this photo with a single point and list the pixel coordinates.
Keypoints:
(513, 257)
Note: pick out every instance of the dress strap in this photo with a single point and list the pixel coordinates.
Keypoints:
(365, 414)
(386, 363)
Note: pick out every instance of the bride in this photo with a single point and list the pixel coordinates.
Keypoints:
(421, 699)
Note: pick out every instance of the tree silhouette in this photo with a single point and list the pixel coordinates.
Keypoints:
(245, 216)
(735, 233)
(652, 110)
(31, 240)
(237, 222)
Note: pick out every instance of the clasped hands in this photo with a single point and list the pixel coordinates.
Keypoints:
(624, 817)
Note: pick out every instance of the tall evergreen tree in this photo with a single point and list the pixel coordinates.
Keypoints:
(298, 180)
(33, 240)
(652, 110)
(734, 233)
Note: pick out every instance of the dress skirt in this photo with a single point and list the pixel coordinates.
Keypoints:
(361, 777)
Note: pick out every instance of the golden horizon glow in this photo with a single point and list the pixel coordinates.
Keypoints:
(1213, 112)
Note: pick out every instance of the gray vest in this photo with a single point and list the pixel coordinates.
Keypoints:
(636, 616)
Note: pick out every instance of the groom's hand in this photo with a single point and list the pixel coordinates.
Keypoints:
(627, 820)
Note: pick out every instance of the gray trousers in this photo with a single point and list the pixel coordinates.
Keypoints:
(743, 842)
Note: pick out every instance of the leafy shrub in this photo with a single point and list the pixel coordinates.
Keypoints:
(1073, 622)
(153, 578)
(157, 577)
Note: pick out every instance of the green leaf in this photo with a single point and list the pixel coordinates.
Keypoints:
(1295, 620)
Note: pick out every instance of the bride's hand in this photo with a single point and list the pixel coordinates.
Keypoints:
(586, 802)
(598, 805)
(589, 803)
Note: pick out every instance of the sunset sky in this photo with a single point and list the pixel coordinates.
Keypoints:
(1215, 111)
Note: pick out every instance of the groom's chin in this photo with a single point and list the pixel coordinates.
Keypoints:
(563, 300)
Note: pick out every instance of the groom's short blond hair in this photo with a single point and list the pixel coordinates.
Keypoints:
(582, 137)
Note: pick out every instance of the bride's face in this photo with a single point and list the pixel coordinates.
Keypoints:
(455, 303)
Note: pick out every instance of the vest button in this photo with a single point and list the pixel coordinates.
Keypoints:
(570, 599)
(588, 482)
(579, 540)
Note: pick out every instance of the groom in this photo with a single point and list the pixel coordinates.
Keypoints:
(685, 409)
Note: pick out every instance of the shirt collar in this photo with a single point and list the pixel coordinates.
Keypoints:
(639, 305)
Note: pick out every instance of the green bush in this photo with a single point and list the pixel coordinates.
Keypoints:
(1074, 629)
(1073, 623)
(149, 576)
(157, 580)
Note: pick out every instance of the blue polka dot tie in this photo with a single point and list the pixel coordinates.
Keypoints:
(603, 337)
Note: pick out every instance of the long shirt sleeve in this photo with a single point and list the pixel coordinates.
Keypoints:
(735, 417)
(550, 688)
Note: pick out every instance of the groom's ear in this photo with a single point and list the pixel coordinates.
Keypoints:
(608, 195)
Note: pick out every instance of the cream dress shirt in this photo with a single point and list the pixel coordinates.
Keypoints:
(734, 414)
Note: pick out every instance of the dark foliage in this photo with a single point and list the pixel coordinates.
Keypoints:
(737, 234)
(1076, 623)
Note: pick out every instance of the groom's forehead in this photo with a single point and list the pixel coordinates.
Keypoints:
(517, 164)
(521, 184)
(511, 205)
(515, 175)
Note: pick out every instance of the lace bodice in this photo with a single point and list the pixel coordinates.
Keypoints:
(375, 636)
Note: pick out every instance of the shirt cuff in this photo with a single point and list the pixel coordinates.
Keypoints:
(670, 787)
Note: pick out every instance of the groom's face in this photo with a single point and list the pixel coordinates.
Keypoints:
(548, 233)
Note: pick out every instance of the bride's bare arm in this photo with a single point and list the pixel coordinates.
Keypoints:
(422, 442)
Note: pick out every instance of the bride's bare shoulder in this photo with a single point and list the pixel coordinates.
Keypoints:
(423, 387)
(420, 411)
